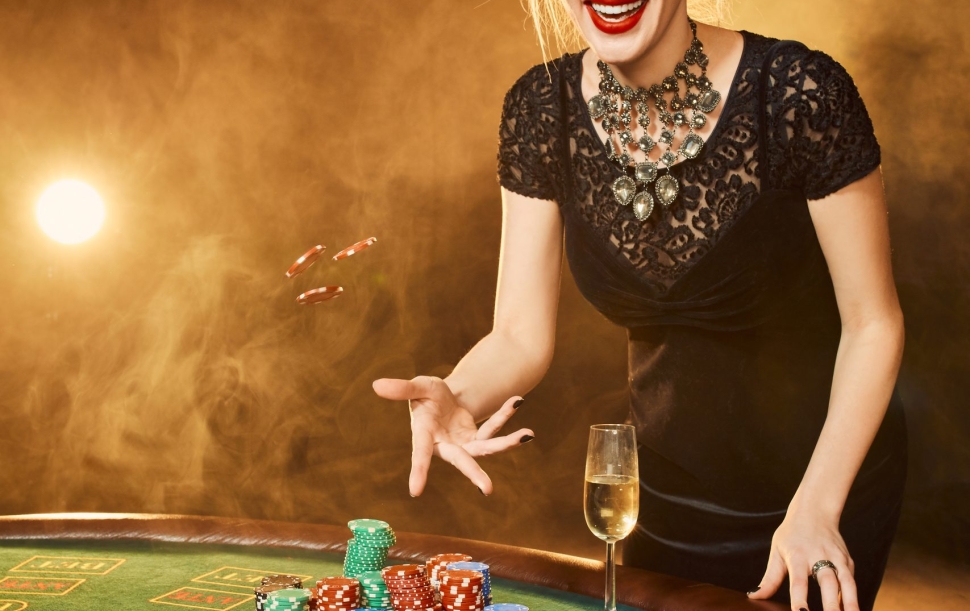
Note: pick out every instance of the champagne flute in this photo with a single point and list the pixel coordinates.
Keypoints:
(612, 494)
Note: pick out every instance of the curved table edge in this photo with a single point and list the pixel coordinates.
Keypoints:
(636, 587)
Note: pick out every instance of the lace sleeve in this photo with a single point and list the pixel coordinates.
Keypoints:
(818, 115)
(527, 135)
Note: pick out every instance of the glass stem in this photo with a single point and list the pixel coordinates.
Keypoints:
(610, 576)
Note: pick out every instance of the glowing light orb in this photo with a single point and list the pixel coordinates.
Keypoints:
(70, 211)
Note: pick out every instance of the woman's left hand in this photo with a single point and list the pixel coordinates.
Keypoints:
(804, 538)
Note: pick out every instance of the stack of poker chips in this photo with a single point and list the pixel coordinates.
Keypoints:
(367, 551)
(461, 590)
(506, 607)
(479, 567)
(410, 588)
(272, 583)
(336, 594)
(373, 591)
(288, 599)
(438, 563)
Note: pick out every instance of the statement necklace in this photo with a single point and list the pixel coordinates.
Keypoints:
(614, 106)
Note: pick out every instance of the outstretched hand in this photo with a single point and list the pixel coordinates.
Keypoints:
(441, 426)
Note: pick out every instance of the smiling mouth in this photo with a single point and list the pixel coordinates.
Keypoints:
(612, 13)
(615, 17)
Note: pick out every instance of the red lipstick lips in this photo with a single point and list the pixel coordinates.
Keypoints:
(615, 27)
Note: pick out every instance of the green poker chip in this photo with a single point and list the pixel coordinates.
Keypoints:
(366, 525)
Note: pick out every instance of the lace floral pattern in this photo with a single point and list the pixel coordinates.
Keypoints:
(818, 135)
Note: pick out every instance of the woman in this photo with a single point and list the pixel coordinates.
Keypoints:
(719, 196)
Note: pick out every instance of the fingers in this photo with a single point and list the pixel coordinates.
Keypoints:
(484, 447)
(850, 596)
(422, 447)
(798, 584)
(463, 461)
(828, 583)
(773, 577)
(420, 387)
(498, 419)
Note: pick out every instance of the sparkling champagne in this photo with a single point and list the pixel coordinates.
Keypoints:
(612, 505)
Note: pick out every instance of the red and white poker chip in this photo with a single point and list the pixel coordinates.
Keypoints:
(356, 248)
(324, 293)
(305, 261)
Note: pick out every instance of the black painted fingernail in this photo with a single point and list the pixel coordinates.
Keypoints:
(518, 403)
(526, 439)
(754, 590)
(803, 609)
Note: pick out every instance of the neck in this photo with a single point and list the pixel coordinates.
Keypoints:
(658, 60)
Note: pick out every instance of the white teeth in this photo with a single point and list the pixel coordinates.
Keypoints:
(609, 9)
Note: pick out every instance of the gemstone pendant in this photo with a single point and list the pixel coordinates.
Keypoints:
(666, 188)
(597, 106)
(642, 205)
(646, 143)
(691, 146)
(624, 189)
(698, 121)
(708, 101)
(646, 171)
(668, 158)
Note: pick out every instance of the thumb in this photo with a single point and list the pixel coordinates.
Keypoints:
(420, 387)
(773, 577)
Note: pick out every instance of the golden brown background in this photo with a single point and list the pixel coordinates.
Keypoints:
(164, 366)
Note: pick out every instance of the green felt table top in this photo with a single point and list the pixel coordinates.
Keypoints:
(102, 576)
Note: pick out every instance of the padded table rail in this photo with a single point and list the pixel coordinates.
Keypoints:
(635, 587)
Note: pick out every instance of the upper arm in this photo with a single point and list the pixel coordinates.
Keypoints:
(532, 229)
(853, 230)
(530, 269)
(822, 128)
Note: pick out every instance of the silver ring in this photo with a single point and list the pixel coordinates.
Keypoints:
(823, 564)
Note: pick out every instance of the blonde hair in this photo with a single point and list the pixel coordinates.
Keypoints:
(554, 23)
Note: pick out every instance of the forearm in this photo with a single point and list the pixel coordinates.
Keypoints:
(498, 367)
(866, 366)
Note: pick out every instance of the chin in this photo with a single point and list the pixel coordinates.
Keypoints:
(621, 31)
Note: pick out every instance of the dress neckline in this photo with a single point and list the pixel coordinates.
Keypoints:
(728, 102)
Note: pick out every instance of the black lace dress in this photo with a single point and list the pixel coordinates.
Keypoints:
(732, 319)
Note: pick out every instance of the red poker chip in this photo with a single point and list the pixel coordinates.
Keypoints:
(356, 248)
(338, 599)
(406, 584)
(409, 602)
(413, 596)
(403, 569)
(460, 587)
(461, 574)
(324, 293)
(461, 597)
(337, 582)
(306, 260)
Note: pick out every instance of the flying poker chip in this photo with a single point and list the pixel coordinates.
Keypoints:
(356, 248)
(305, 261)
(324, 293)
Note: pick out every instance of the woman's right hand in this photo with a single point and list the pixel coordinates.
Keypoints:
(441, 426)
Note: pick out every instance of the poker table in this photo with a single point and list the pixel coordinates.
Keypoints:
(156, 562)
